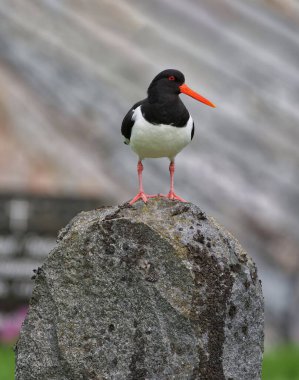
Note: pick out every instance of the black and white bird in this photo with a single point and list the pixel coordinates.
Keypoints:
(160, 125)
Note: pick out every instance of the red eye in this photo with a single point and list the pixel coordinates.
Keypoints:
(171, 77)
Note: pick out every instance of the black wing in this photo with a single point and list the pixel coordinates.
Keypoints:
(127, 124)
(192, 132)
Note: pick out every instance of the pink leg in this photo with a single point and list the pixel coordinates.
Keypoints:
(141, 194)
(171, 194)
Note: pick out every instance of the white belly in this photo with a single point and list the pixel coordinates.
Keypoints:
(153, 141)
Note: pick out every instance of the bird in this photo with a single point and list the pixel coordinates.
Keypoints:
(160, 125)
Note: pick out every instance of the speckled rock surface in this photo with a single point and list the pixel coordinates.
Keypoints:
(156, 291)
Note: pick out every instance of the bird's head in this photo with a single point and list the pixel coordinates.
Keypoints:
(172, 82)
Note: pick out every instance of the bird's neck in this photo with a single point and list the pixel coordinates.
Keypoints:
(156, 94)
(164, 108)
(162, 98)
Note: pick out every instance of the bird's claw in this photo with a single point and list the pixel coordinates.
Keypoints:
(141, 195)
(172, 195)
(145, 197)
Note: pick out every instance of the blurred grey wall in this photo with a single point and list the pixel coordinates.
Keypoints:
(70, 70)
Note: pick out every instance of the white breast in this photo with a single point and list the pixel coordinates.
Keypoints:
(153, 141)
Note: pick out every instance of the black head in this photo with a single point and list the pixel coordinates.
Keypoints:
(167, 81)
(167, 85)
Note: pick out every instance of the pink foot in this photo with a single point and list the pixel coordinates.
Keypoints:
(173, 196)
(140, 195)
(143, 196)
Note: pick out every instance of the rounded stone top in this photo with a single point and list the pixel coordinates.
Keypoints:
(149, 291)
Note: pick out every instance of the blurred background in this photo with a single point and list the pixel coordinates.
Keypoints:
(70, 70)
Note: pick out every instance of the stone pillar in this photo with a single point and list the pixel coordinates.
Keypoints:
(155, 291)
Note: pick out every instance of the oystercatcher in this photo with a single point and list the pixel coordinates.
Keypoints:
(160, 125)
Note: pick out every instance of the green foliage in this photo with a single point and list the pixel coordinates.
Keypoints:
(281, 363)
(7, 363)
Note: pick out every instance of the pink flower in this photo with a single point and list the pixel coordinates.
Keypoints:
(10, 324)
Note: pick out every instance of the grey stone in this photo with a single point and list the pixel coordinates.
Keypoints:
(155, 291)
(69, 72)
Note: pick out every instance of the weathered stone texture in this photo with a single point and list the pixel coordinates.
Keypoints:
(156, 291)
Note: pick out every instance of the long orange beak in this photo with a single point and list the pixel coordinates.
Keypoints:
(187, 90)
